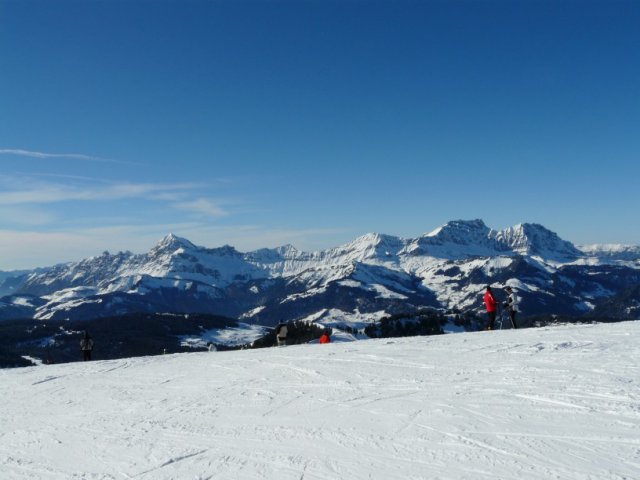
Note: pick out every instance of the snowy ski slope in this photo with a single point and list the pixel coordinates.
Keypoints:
(553, 403)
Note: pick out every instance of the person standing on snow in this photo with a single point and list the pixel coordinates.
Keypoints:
(491, 304)
(86, 345)
(281, 334)
(512, 305)
(326, 336)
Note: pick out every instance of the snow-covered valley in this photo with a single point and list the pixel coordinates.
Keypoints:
(557, 402)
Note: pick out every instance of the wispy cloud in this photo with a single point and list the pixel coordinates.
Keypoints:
(78, 203)
(57, 176)
(26, 215)
(202, 206)
(47, 193)
(44, 155)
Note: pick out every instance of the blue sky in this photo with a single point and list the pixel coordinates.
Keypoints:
(263, 123)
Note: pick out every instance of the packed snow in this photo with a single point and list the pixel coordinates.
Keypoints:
(551, 403)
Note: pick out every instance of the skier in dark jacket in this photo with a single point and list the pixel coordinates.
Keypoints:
(86, 345)
(491, 304)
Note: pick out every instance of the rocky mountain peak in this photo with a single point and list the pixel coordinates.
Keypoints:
(173, 242)
(461, 232)
(535, 239)
(373, 245)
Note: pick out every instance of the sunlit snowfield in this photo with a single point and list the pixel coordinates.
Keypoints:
(552, 403)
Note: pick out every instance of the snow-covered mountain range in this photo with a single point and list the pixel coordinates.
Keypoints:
(371, 276)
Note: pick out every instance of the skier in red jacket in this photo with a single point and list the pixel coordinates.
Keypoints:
(326, 337)
(491, 304)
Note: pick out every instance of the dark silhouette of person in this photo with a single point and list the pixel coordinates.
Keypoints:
(86, 345)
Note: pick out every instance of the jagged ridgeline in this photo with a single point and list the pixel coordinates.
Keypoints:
(365, 280)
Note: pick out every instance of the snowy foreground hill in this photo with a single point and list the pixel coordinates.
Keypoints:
(552, 403)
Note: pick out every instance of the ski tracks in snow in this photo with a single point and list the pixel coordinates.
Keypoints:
(534, 404)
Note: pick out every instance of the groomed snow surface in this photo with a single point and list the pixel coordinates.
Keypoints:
(552, 403)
